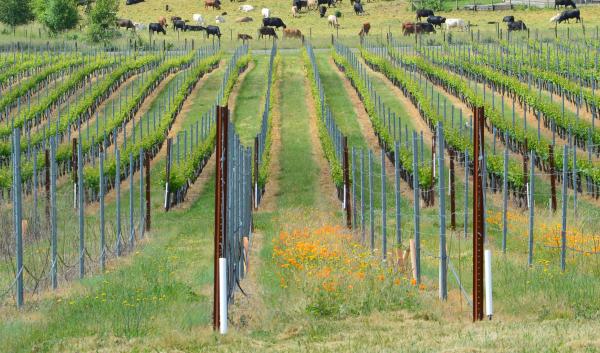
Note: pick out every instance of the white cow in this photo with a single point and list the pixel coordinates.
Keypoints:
(456, 23)
(312, 4)
(140, 26)
(332, 19)
(198, 18)
(265, 12)
(246, 8)
(555, 18)
(220, 19)
(295, 11)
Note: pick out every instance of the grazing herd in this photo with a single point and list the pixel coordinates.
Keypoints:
(270, 25)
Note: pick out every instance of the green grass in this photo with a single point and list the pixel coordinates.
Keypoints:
(249, 103)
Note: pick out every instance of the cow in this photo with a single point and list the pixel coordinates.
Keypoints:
(133, 2)
(162, 21)
(244, 37)
(508, 19)
(198, 18)
(358, 8)
(322, 11)
(366, 27)
(566, 16)
(212, 31)
(246, 8)
(219, 19)
(267, 31)
(516, 26)
(456, 23)
(332, 20)
(292, 33)
(175, 18)
(420, 27)
(436, 20)
(127, 24)
(329, 3)
(300, 4)
(156, 27)
(424, 27)
(273, 22)
(295, 11)
(193, 28)
(565, 3)
(424, 13)
(140, 26)
(179, 25)
(265, 12)
(311, 4)
(215, 4)
(244, 19)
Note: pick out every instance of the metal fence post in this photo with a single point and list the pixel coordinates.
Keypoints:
(18, 226)
(505, 200)
(565, 199)
(102, 220)
(80, 199)
(383, 207)
(118, 194)
(443, 270)
(53, 204)
(371, 211)
(397, 193)
(531, 208)
(417, 220)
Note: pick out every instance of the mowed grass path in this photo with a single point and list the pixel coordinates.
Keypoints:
(249, 104)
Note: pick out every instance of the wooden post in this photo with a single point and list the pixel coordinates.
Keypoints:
(168, 175)
(346, 168)
(148, 203)
(552, 177)
(478, 226)
(47, 172)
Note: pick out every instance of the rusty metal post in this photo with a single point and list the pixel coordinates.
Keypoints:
(47, 172)
(346, 168)
(168, 174)
(220, 197)
(452, 194)
(478, 226)
(148, 203)
(74, 171)
(552, 177)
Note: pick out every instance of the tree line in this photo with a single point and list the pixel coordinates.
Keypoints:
(61, 15)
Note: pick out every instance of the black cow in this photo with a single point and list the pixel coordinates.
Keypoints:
(156, 27)
(273, 22)
(424, 13)
(565, 3)
(300, 4)
(322, 11)
(517, 26)
(508, 19)
(133, 2)
(436, 20)
(267, 31)
(567, 15)
(212, 30)
(125, 23)
(179, 25)
(193, 28)
(358, 8)
(329, 3)
(424, 27)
